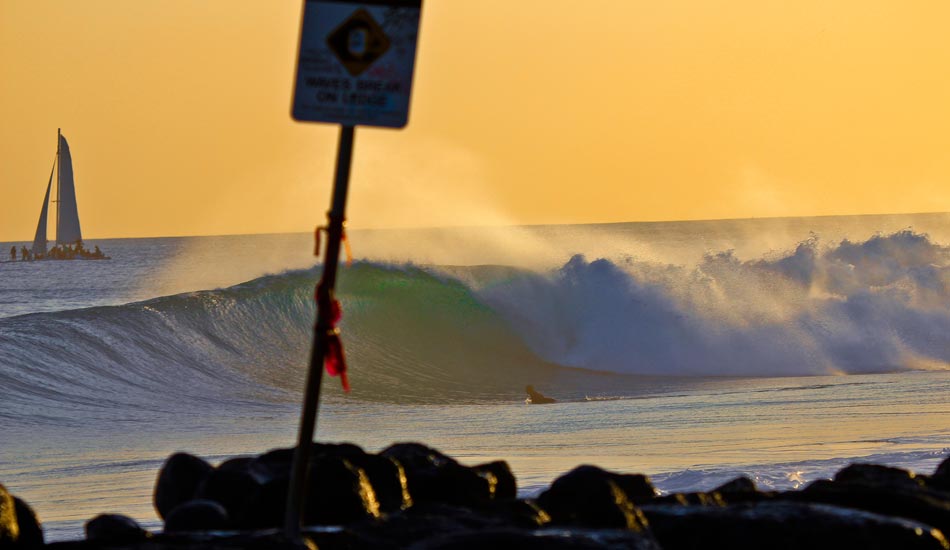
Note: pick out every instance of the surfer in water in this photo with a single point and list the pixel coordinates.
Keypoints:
(537, 398)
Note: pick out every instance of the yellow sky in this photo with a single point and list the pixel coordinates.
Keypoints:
(561, 111)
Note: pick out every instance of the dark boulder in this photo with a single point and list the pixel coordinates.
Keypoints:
(574, 539)
(740, 489)
(919, 504)
(589, 496)
(416, 456)
(9, 528)
(506, 486)
(236, 488)
(338, 493)
(518, 513)
(388, 479)
(31, 534)
(18, 525)
(434, 477)
(274, 464)
(345, 484)
(880, 476)
(427, 519)
(692, 499)
(178, 481)
(272, 539)
(238, 463)
(277, 463)
(941, 476)
(269, 508)
(638, 487)
(385, 475)
(114, 528)
(783, 525)
(739, 485)
(336, 449)
(197, 515)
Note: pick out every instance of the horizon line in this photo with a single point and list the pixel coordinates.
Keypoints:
(513, 226)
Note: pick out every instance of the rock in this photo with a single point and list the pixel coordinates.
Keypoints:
(692, 499)
(274, 464)
(114, 528)
(434, 477)
(940, 479)
(517, 513)
(917, 504)
(427, 519)
(416, 456)
(388, 479)
(31, 534)
(18, 525)
(178, 481)
(197, 515)
(881, 476)
(739, 485)
(269, 508)
(235, 489)
(337, 449)
(365, 487)
(588, 496)
(9, 528)
(574, 539)
(277, 463)
(637, 487)
(238, 464)
(452, 484)
(786, 525)
(249, 540)
(338, 493)
(506, 486)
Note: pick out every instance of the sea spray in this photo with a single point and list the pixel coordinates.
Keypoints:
(875, 306)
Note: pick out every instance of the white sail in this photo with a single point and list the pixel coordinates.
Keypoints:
(39, 241)
(67, 224)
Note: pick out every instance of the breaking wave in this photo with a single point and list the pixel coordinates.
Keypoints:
(855, 307)
(436, 334)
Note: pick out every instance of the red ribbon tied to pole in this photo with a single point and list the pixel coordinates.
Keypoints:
(334, 360)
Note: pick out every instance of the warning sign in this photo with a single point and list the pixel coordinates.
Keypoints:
(356, 61)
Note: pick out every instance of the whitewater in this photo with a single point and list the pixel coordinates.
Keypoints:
(781, 349)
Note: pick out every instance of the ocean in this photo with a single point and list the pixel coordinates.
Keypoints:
(695, 352)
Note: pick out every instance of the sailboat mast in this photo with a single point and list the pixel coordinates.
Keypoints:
(58, 186)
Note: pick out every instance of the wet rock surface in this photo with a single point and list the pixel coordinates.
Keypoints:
(114, 528)
(412, 496)
(19, 528)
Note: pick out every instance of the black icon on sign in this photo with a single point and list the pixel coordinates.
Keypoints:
(358, 42)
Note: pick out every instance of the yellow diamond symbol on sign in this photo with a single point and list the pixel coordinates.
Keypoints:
(358, 42)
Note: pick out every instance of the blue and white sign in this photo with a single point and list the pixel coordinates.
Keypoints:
(356, 61)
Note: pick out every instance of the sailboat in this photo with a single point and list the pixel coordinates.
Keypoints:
(69, 244)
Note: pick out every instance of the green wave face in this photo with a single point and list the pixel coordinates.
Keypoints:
(412, 335)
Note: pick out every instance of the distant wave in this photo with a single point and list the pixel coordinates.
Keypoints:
(470, 333)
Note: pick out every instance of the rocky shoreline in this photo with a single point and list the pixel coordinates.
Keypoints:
(412, 496)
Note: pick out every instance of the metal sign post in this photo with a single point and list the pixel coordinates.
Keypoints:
(354, 67)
